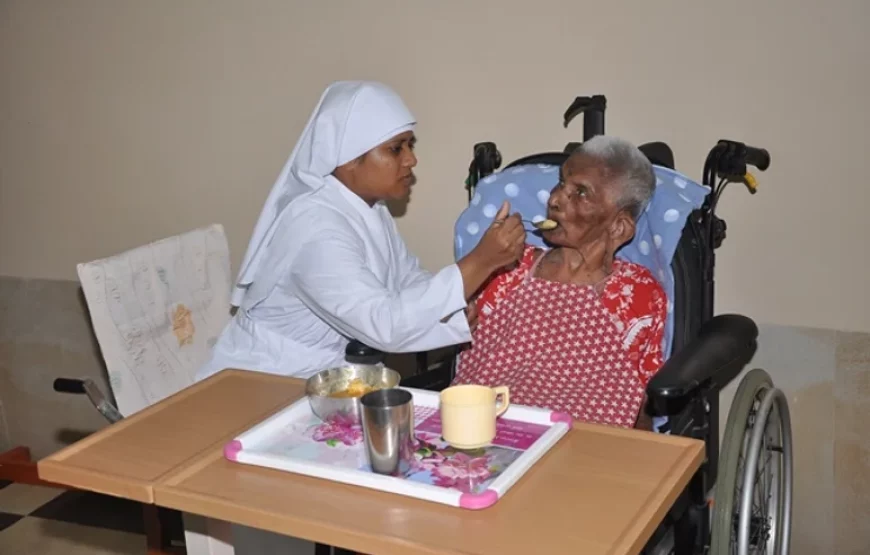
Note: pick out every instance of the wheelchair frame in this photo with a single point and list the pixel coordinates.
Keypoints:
(708, 353)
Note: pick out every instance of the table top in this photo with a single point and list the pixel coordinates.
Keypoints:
(128, 458)
(599, 490)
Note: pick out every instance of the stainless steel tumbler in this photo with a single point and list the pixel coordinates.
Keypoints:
(388, 427)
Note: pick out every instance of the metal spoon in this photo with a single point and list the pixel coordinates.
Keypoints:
(544, 225)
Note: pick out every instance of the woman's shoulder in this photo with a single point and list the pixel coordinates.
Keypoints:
(632, 272)
(312, 214)
(634, 291)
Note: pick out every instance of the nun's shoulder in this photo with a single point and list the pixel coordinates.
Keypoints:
(315, 211)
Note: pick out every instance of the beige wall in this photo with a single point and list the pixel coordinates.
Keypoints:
(127, 121)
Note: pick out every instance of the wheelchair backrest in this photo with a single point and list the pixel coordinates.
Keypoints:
(660, 229)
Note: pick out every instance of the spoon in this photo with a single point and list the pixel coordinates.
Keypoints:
(544, 225)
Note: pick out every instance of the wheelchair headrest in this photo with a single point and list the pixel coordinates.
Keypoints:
(527, 187)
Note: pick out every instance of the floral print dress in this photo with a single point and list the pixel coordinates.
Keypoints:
(585, 350)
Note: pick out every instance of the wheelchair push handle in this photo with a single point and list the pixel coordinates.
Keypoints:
(69, 385)
(733, 157)
(757, 157)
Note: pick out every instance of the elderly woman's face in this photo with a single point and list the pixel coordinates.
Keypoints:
(386, 172)
(584, 204)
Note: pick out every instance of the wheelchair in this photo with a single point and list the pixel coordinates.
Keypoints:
(739, 501)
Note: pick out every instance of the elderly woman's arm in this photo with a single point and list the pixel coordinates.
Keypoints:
(652, 358)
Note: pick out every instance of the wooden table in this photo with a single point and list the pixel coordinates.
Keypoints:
(130, 457)
(599, 490)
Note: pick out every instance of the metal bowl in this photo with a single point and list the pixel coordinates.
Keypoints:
(332, 380)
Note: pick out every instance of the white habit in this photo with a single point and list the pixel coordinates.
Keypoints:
(324, 267)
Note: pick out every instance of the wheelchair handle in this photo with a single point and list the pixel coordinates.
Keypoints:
(757, 157)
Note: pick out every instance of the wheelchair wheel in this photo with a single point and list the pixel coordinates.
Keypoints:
(752, 501)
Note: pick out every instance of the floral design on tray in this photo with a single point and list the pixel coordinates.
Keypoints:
(438, 464)
(338, 429)
(339, 442)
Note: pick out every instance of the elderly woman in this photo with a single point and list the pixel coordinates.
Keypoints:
(573, 328)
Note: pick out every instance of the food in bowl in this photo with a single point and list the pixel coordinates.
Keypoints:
(356, 388)
(336, 392)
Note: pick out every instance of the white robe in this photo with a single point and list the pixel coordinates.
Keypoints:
(337, 269)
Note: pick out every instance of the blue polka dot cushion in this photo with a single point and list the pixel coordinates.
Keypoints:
(528, 187)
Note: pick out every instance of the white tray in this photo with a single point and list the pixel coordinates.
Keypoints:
(295, 440)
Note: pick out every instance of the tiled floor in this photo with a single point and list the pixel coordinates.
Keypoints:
(46, 521)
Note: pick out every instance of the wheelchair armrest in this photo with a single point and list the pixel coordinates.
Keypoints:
(725, 344)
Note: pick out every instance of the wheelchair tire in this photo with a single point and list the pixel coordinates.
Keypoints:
(742, 437)
(725, 496)
(770, 435)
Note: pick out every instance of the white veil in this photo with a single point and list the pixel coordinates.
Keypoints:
(351, 118)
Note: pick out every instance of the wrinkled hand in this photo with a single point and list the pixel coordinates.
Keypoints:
(471, 313)
(503, 243)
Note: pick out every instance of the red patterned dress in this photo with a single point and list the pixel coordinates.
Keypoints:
(585, 350)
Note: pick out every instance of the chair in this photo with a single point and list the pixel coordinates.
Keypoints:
(156, 311)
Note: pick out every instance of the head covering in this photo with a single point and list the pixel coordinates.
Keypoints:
(351, 118)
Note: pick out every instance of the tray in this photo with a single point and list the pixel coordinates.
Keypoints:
(295, 440)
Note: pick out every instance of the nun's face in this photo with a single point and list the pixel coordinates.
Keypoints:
(386, 172)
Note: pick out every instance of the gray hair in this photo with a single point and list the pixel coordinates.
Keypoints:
(628, 165)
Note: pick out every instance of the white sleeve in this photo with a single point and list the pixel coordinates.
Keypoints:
(331, 277)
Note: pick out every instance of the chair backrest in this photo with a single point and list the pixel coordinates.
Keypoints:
(156, 311)
(659, 230)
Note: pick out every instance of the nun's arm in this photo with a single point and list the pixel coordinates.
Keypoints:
(331, 276)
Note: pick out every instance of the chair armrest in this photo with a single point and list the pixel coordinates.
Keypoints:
(725, 344)
(89, 388)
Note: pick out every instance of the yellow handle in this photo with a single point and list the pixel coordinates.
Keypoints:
(502, 391)
(750, 181)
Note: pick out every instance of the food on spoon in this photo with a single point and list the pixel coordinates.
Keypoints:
(546, 225)
(356, 388)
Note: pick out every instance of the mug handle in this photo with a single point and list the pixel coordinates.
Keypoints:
(501, 391)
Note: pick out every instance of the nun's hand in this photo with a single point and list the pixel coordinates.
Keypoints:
(501, 246)
(504, 241)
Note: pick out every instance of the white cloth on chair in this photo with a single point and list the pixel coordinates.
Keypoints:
(156, 311)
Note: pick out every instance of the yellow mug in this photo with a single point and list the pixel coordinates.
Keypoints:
(468, 414)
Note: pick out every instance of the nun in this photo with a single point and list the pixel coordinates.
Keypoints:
(326, 263)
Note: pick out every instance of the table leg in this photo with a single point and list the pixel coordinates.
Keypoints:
(154, 533)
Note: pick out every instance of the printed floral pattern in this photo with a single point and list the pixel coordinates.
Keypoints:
(449, 468)
(338, 429)
(430, 460)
